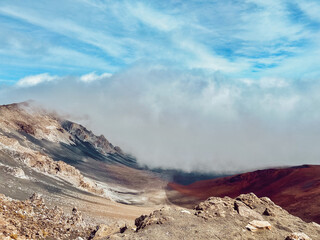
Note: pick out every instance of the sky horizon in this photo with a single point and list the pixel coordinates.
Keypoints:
(196, 85)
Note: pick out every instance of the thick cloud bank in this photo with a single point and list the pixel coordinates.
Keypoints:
(190, 120)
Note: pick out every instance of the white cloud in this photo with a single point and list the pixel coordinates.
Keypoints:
(68, 28)
(154, 18)
(265, 82)
(268, 22)
(33, 80)
(192, 120)
(220, 35)
(90, 77)
(268, 82)
(311, 8)
(203, 58)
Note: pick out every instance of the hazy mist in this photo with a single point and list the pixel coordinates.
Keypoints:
(190, 120)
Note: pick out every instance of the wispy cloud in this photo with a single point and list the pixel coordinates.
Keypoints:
(65, 27)
(250, 38)
(35, 80)
(153, 18)
(90, 77)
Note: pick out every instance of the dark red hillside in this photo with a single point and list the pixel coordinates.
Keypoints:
(296, 189)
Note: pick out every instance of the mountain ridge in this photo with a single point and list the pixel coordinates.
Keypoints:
(68, 165)
(296, 189)
(45, 153)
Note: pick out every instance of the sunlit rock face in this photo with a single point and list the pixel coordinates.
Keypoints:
(243, 217)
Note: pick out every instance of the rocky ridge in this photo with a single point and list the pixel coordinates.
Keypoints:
(41, 151)
(245, 217)
(20, 121)
(25, 118)
(28, 118)
(99, 142)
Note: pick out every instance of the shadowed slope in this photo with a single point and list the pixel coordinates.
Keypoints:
(296, 189)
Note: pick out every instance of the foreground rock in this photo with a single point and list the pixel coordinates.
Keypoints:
(32, 219)
(104, 231)
(256, 225)
(215, 218)
(223, 218)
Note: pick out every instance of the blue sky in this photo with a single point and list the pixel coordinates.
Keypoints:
(241, 39)
(205, 85)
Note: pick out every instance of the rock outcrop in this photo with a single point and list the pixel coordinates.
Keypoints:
(27, 118)
(32, 219)
(222, 218)
(104, 231)
(99, 142)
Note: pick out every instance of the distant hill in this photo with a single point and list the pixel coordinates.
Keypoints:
(296, 189)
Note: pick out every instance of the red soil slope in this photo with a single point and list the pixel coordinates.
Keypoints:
(296, 189)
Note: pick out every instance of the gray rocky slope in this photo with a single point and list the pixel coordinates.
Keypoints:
(43, 152)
